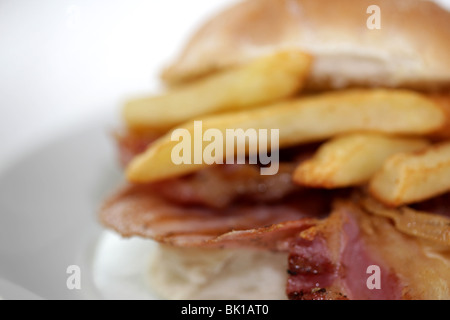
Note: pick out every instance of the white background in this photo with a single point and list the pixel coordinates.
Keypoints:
(66, 61)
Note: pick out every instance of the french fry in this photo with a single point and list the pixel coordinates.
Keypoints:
(411, 177)
(351, 159)
(443, 100)
(263, 81)
(303, 120)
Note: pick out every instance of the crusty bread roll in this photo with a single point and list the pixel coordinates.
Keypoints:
(218, 274)
(412, 48)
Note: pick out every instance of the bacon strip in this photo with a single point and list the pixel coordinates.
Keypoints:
(142, 211)
(438, 205)
(330, 260)
(220, 186)
(130, 144)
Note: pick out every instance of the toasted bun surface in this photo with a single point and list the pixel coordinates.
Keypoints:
(411, 49)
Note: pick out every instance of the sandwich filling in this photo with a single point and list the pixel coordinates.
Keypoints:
(328, 241)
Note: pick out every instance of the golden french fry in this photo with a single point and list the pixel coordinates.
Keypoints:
(351, 159)
(303, 120)
(443, 100)
(263, 81)
(412, 177)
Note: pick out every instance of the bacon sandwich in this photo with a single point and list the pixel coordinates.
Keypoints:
(358, 208)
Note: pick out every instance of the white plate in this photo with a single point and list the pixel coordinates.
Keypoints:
(49, 201)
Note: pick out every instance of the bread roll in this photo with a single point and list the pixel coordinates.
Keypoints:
(411, 49)
(218, 274)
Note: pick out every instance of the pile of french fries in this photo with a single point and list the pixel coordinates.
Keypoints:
(381, 139)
